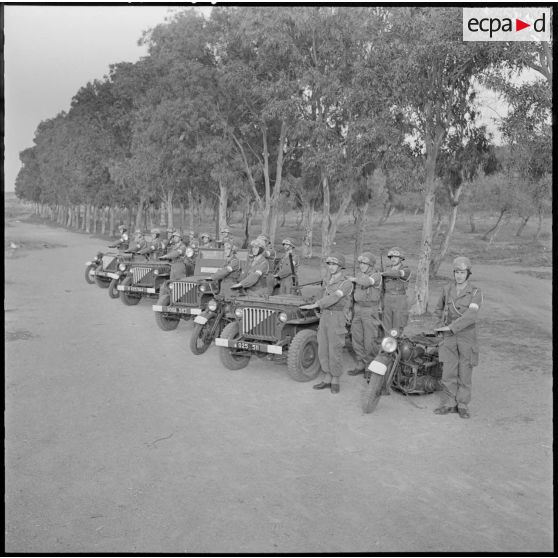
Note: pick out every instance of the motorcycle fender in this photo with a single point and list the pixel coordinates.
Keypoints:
(377, 367)
(204, 317)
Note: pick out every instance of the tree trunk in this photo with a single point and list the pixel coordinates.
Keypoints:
(308, 215)
(182, 217)
(112, 225)
(190, 211)
(437, 261)
(360, 225)
(248, 210)
(223, 202)
(438, 226)
(170, 209)
(497, 228)
(326, 218)
(489, 234)
(522, 225)
(95, 217)
(539, 226)
(139, 214)
(88, 218)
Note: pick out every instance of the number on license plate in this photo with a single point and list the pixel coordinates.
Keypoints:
(137, 289)
(246, 346)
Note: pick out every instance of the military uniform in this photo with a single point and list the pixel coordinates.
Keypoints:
(396, 305)
(254, 277)
(138, 244)
(285, 273)
(123, 243)
(153, 249)
(459, 350)
(229, 274)
(332, 330)
(176, 253)
(366, 320)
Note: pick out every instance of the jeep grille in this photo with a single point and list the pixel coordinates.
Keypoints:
(258, 322)
(109, 263)
(184, 292)
(139, 273)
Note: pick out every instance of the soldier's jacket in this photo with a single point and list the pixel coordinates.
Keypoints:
(270, 253)
(337, 289)
(231, 269)
(367, 287)
(459, 312)
(124, 242)
(138, 244)
(284, 267)
(209, 244)
(396, 279)
(153, 247)
(176, 251)
(257, 268)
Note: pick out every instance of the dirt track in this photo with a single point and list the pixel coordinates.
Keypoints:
(118, 439)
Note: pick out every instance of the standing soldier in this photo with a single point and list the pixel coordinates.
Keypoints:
(287, 271)
(396, 279)
(124, 242)
(139, 242)
(206, 241)
(226, 236)
(331, 331)
(176, 250)
(230, 272)
(254, 278)
(457, 310)
(366, 320)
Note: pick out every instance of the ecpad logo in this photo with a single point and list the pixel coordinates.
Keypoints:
(506, 24)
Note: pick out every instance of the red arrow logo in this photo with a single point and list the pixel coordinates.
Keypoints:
(519, 25)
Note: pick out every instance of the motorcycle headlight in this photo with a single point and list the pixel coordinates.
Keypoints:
(203, 288)
(212, 305)
(394, 333)
(389, 344)
(238, 312)
(122, 267)
(189, 252)
(283, 317)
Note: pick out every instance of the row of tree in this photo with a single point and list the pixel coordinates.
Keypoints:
(253, 108)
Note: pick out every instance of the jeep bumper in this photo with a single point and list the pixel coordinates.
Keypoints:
(176, 310)
(248, 346)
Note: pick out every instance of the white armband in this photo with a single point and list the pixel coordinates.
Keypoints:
(259, 272)
(473, 306)
(339, 292)
(229, 268)
(402, 272)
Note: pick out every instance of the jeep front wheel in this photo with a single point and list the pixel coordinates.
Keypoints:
(230, 357)
(113, 292)
(129, 299)
(88, 277)
(303, 364)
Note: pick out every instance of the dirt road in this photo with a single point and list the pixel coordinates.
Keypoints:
(118, 439)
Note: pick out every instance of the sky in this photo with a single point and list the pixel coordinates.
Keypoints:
(51, 51)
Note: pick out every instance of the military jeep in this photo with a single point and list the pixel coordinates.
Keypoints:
(112, 269)
(188, 297)
(272, 327)
(143, 279)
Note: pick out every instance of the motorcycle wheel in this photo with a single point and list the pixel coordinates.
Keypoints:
(129, 299)
(303, 364)
(201, 337)
(371, 392)
(228, 357)
(88, 278)
(113, 292)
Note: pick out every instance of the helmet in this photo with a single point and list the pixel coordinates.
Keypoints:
(461, 263)
(207, 235)
(395, 251)
(289, 241)
(259, 242)
(122, 228)
(177, 234)
(233, 247)
(367, 258)
(155, 231)
(338, 259)
(225, 231)
(138, 231)
(264, 237)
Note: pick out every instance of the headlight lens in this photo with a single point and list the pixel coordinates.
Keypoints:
(189, 252)
(203, 288)
(389, 344)
(238, 313)
(171, 286)
(394, 333)
(283, 317)
(122, 267)
(212, 305)
(156, 272)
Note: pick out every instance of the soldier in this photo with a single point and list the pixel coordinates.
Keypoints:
(283, 277)
(396, 279)
(176, 252)
(269, 252)
(124, 242)
(155, 247)
(139, 242)
(366, 319)
(206, 241)
(226, 235)
(331, 331)
(457, 310)
(254, 277)
(230, 272)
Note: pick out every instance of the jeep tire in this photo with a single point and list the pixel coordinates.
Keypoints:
(228, 357)
(129, 299)
(88, 278)
(303, 364)
(113, 292)
(102, 282)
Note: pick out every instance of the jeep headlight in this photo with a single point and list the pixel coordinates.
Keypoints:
(283, 317)
(171, 286)
(122, 267)
(212, 305)
(389, 344)
(189, 252)
(203, 288)
(394, 333)
(238, 312)
(156, 272)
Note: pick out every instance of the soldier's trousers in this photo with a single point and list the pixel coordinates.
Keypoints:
(364, 333)
(331, 340)
(459, 354)
(396, 311)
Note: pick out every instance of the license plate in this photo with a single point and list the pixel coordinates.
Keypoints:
(200, 320)
(246, 346)
(137, 289)
(377, 367)
(113, 275)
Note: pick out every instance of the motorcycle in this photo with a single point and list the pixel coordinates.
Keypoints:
(408, 364)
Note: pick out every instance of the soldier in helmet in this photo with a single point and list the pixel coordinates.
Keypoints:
(396, 279)
(366, 319)
(283, 276)
(176, 250)
(270, 252)
(230, 272)
(226, 235)
(154, 248)
(124, 242)
(457, 311)
(206, 241)
(139, 242)
(254, 277)
(331, 331)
